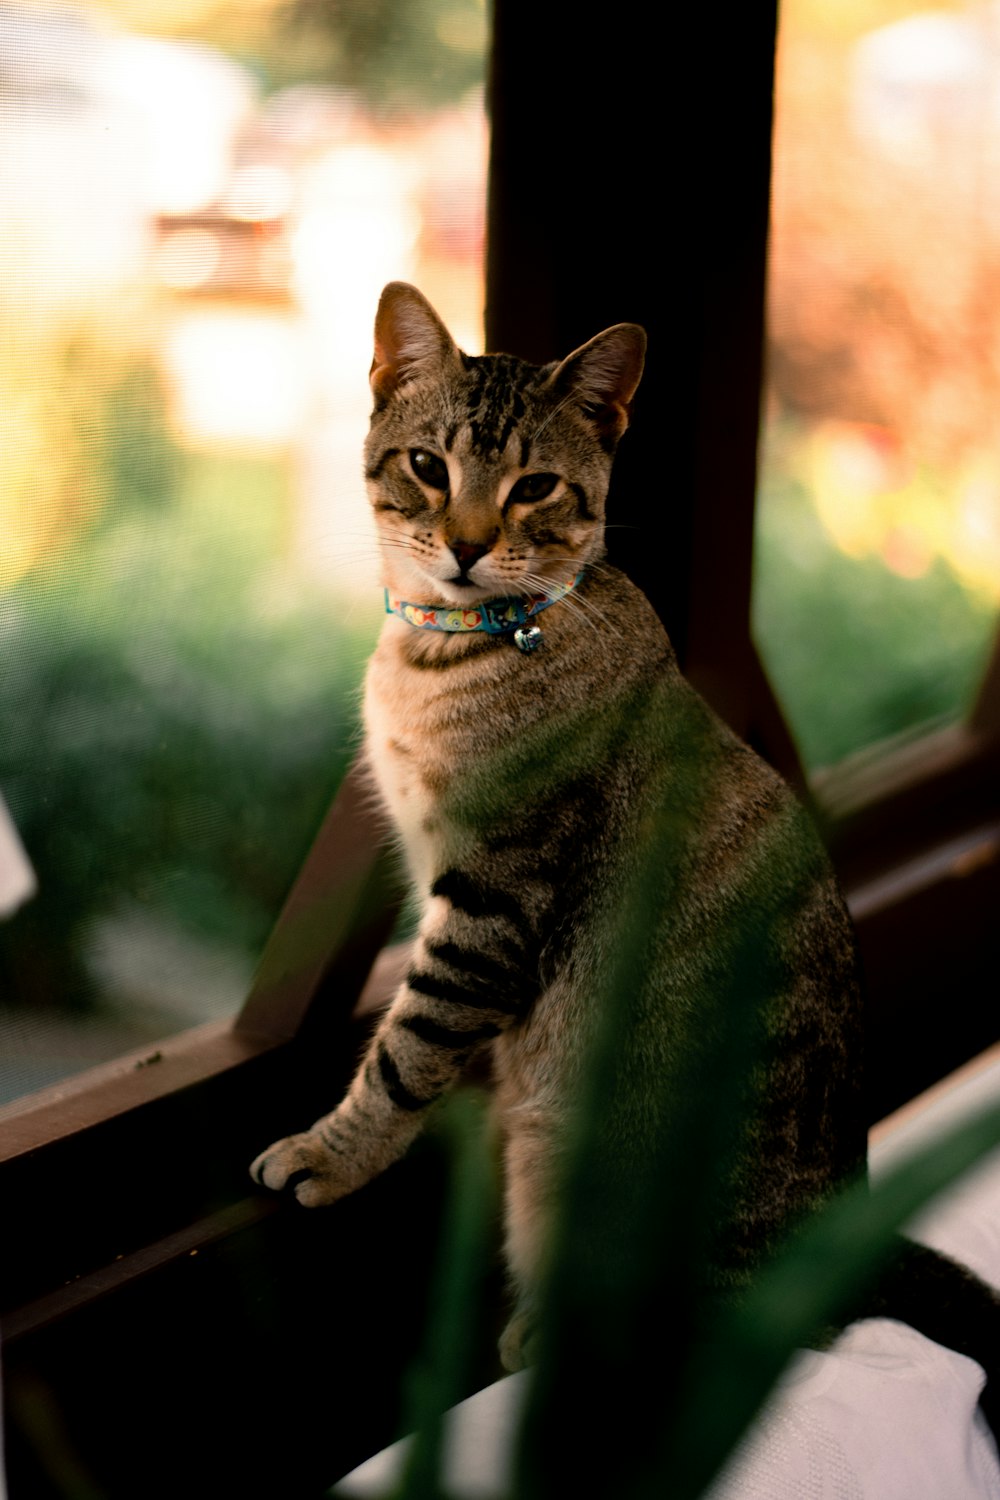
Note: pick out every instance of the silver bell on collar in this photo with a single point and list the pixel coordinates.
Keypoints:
(528, 638)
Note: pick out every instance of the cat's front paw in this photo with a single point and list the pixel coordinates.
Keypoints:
(304, 1163)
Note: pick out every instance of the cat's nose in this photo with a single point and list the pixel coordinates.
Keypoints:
(467, 554)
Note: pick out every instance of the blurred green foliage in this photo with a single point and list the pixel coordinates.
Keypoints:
(176, 710)
(83, 431)
(856, 653)
(398, 54)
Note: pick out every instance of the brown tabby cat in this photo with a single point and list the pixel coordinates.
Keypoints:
(528, 729)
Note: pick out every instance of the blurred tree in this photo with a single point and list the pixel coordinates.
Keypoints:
(166, 745)
(396, 53)
(884, 279)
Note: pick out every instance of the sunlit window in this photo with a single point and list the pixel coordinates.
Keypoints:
(199, 204)
(878, 549)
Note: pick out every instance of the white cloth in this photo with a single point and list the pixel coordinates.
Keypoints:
(884, 1415)
(479, 1448)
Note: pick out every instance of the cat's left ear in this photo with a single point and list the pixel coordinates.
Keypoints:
(604, 373)
(410, 339)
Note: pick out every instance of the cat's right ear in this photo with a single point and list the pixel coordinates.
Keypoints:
(604, 375)
(410, 339)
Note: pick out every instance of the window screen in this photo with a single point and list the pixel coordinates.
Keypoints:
(878, 543)
(199, 204)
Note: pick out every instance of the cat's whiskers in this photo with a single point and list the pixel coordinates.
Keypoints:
(586, 613)
(332, 557)
(575, 603)
(395, 538)
(573, 564)
(593, 615)
(392, 545)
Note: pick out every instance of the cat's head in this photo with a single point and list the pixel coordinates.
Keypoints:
(488, 475)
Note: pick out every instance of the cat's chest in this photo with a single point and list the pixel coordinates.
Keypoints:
(399, 761)
(419, 735)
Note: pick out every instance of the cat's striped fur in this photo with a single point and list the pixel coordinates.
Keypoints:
(530, 790)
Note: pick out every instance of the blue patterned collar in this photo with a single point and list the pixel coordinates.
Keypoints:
(494, 616)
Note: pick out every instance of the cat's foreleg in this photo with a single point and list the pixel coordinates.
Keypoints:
(529, 1167)
(465, 987)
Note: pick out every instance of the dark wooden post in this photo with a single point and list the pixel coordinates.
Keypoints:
(630, 171)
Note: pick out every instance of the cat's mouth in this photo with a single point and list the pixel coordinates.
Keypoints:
(459, 588)
(462, 591)
(466, 590)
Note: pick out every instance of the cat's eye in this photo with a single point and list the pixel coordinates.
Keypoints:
(428, 468)
(533, 487)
